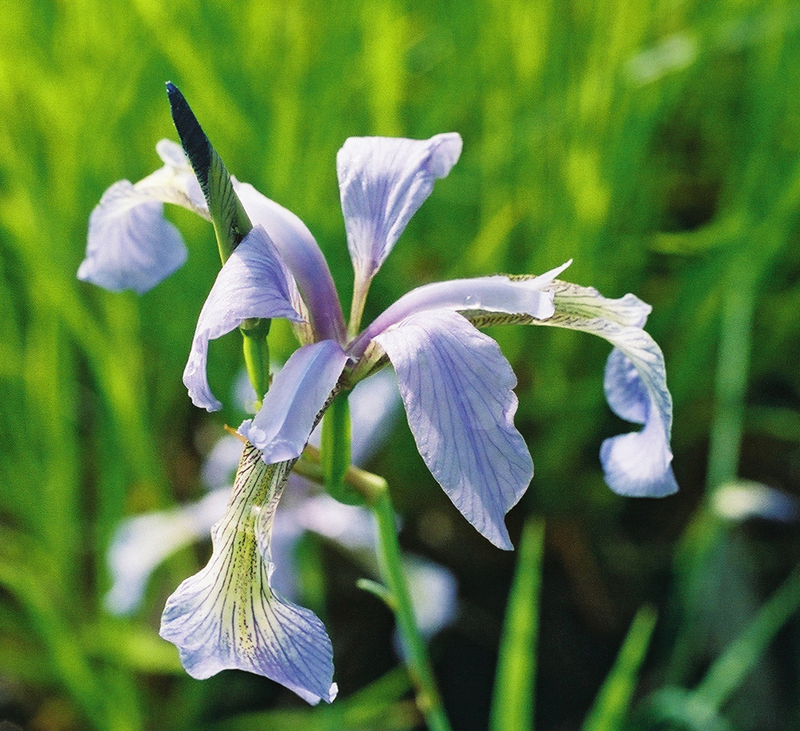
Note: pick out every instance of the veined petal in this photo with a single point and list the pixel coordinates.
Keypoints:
(228, 616)
(382, 183)
(475, 298)
(253, 283)
(303, 257)
(638, 464)
(457, 386)
(625, 392)
(298, 393)
(130, 244)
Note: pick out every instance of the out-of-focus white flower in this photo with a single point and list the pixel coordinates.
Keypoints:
(744, 499)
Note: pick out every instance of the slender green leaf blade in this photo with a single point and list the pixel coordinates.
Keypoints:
(513, 698)
(614, 698)
(740, 657)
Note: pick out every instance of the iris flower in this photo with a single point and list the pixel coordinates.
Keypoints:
(143, 542)
(456, 385)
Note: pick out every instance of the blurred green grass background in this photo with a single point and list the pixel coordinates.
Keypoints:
(656, 143)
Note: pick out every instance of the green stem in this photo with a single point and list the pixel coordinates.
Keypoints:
(256, 356)
(360, 289)
(375, 491)
(335, 450)
(428, 699)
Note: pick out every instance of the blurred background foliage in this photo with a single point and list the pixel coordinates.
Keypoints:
(656, 142)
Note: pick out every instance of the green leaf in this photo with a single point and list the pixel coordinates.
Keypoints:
(741, 656)
(612, 702)
(513, 698)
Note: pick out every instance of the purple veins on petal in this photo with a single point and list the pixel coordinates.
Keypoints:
(228, 616)
(298, 393)
(457, 386)
(638, 464)
(625, 392)
(302, 256)
(490, 294)
(382, 183)
(253, 283)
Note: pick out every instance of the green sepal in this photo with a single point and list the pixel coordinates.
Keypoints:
(231, 222)
(335, 451)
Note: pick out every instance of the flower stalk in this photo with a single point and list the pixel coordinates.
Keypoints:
(256, 357)
(394, 592)
(428, 699)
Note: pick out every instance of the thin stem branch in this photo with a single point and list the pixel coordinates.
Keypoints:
(428, 699)
(375, 491)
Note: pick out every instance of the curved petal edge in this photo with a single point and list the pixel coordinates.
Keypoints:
(457, 386)
(130, 244)
(298, 394)
(638, 464)
(382, 182)
(228, 616)
(253, 283)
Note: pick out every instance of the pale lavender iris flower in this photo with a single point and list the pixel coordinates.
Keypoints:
(456, 385)
(143, 542)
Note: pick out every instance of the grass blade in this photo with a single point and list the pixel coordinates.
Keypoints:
(513, 698)
(613, 700)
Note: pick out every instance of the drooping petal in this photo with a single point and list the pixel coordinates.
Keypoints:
(228, 616)
(143, 542)
(130, 244)
(625, 392)
(499, 295)
(382, 183)
(457, 386)
(299, 391)
(253, 283)
(303, 257)
(638, 464)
